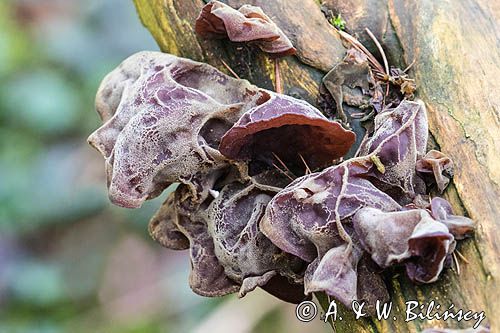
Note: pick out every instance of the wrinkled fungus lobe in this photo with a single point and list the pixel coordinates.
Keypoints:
(247, 24)
(410, 236)
(179, 215)
(460, 226)
(164, 124)
(247, 255)
(155, 135)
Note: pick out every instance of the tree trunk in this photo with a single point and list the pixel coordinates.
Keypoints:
(456, 49)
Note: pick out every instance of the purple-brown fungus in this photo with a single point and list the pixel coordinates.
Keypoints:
(236, 150)
(164, 122)
(228, 251)
(459, 226)
(247, 24)
(437, 166)
(330, 217)
(162, 129)
(410, 236)
(352, 82)
(335, 274)
(286, 127)
(307, 217)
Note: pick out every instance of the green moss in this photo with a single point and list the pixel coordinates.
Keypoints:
(338, 22)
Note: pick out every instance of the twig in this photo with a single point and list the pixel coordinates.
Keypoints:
(462, 257)
(378, 163)
(367, 116)
(357, 45)
(456, 262)
(385, 96)
(308, 170)
(283, 164)
(358, 115)
(283, 172)
(410, 66)
(230, 69)
(279, 85)
(380, 49)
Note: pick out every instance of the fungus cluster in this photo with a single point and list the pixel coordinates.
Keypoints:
(264, 198)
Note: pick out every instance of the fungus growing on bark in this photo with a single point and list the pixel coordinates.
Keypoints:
(167, 124)
(286, 127)
(459, 226)
(306, 218)
(248, 257)
(400, 137)
(169, 119)
(247, 24)
(436, 166)
(352, 82)
(410, 236)
(228, 252)
(314, 216)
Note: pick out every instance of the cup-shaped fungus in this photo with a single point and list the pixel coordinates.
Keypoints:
(247, 24)
(410, 236)
(459, 226)
(287, 129)
(437, 167)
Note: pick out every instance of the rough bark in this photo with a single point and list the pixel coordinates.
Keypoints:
(456, 48)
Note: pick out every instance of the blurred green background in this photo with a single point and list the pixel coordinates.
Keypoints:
(70, 261)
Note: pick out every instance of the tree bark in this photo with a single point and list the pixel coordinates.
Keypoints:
(456, 49)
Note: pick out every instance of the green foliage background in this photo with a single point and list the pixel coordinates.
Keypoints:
(70, 261)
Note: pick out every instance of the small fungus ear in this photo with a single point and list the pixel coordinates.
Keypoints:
(411, 237)
(459, 226)
(351, 82)
(429, 246)
(335, 274)
(209, 25)
(437, 166)
(248, 24)
(289, 129)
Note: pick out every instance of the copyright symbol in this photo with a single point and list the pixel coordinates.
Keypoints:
(306, 311)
